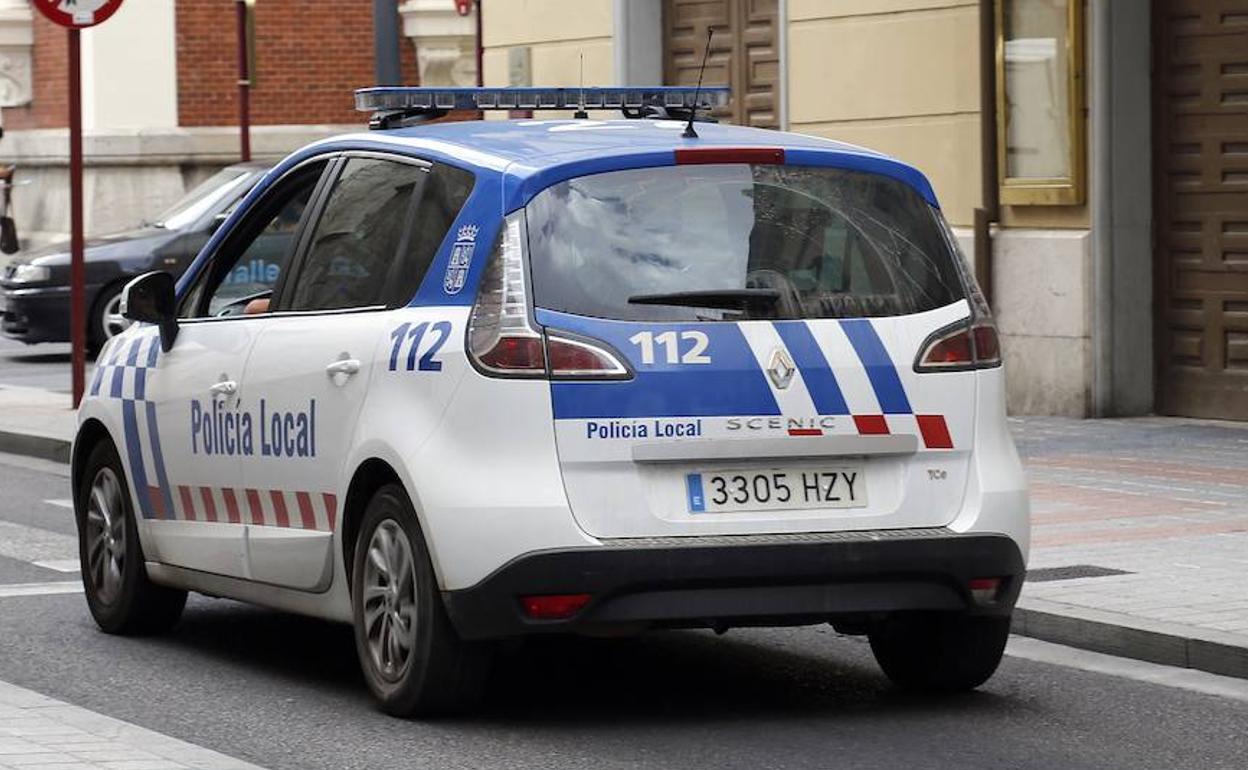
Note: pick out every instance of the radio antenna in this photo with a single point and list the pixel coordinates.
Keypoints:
(580, 113)
(689, 133)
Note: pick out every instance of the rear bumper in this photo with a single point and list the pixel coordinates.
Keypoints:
(743, 580)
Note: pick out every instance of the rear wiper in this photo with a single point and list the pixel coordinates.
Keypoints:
(722, 299)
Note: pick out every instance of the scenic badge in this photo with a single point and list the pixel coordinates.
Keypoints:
(461, 259)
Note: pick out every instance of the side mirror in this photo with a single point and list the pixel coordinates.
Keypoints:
(150, 299)
(217, 221)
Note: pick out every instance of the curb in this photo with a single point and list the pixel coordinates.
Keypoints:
(1113, 633)
(32, 445)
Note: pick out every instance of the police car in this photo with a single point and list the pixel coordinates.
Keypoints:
(528, 376)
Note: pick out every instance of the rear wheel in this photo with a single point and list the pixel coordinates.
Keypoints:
(943, 652)
(413, 660)
(121, 598)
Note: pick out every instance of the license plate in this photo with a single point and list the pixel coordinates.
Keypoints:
(776, 490)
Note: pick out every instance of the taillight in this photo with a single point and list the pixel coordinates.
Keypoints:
(963, 346)
(582, 359)
(500, 339)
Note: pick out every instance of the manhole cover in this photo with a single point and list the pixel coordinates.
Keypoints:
(1071, 573)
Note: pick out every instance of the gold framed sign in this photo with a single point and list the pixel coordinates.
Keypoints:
(1041, 142)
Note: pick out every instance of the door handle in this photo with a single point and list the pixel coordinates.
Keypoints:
(347, 366)
(224, 388)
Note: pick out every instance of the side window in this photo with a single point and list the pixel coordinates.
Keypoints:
(443, 195)
(356, 240)
(248, 265)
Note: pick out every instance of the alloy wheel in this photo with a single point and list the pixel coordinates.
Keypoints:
(390, 600)
(111, 319)
(106, 536)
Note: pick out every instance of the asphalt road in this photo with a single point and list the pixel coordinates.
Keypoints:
(45, 365)
(285, 692)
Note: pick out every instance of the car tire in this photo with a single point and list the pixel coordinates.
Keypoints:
(103, 324)
(114, 575)
(394, 589)
(939, 652)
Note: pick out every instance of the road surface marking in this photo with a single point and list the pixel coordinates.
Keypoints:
(61, 503)
(41, 589)
(60, 565)
(49, 732)
(1140, 671)
(32, 544)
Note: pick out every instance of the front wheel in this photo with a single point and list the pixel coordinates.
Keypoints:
(119, 594)
(413, 660)
(106, 320)
(937, 651)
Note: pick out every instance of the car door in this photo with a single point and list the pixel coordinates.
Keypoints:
(200, 423)
(312, 362)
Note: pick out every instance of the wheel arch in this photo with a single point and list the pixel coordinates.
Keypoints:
(90, 434)
(370, 475)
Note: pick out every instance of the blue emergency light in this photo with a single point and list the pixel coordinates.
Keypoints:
(393, 104)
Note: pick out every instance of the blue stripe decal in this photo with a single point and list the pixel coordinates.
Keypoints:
(880, 369)
(159, 459)
(697, 503)
(733, 384)
(134, 448)
(97, 378)
(816, 372)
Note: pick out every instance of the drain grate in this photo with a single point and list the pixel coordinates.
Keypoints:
(1072, 572)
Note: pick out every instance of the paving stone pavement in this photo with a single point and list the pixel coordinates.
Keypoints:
(39, 732)
(1165, 500)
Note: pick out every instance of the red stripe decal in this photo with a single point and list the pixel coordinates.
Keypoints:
(331, 509)
(935, 431)
(257, 510)
(188, 502)
(871, 424)
(157, 500)
(210, 505)
(279, 508)
(305, 510)
(231, 506)
(805, 432)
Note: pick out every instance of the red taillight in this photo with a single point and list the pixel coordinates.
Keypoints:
(973, 347)
(755, 155)
(573, 358)
(984, 590)
(553, 606)
(515, 354)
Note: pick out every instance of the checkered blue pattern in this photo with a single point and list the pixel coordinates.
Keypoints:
(122, 372)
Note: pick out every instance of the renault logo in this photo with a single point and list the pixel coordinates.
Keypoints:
(781, 368)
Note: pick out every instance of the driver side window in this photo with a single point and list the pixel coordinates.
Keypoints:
(248, 266)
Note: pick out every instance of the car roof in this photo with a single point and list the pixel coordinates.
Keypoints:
(539, 152)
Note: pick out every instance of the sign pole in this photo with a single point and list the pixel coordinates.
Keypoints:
(244, 82)
(77, 269)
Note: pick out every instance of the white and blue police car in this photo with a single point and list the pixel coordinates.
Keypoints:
(513, 377)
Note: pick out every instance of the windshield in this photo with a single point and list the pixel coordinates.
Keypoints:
(219, 187)
(735, 241)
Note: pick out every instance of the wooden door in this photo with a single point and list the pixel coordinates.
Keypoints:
(745, 54)
(1200, 199)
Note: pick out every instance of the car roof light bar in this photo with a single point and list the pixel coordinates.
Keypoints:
(393, 106)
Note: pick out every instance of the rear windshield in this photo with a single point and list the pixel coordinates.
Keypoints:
(737, 241)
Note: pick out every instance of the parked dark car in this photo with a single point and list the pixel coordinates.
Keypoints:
(34, 287)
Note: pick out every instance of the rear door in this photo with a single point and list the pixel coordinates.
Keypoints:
(314, 359)
(771, 316)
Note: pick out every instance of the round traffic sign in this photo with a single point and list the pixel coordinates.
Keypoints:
(77, 13)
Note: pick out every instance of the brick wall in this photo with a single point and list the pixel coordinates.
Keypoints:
(310, 56)
(50, 80)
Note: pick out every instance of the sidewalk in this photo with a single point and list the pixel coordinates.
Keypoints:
(36, 422)
(37, 731)
(1139, 540)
